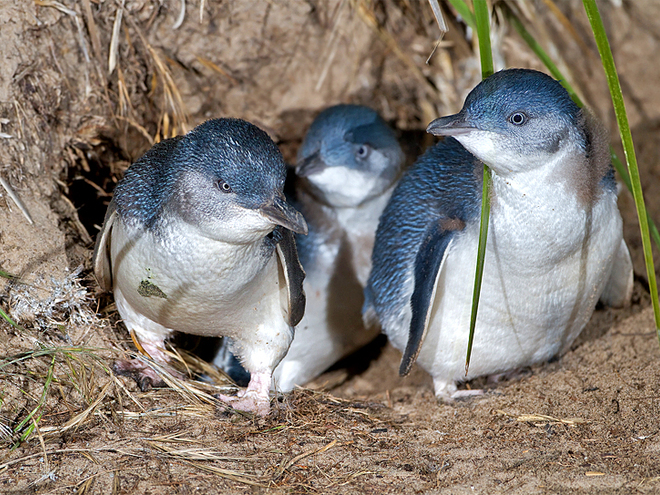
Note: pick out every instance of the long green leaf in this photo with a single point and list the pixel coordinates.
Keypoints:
(8, 319)
(629, 150)
(8, 275)
(42, 401)
(465, 12)
(543, 57)
(482, 19)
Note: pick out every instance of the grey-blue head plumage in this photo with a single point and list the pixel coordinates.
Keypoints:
(349, 155)
(208, 175)
(518, 119)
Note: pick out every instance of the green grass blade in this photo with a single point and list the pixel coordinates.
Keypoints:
(464, 11)
(481, 256)
(8, 275)
(623, 172)
(482, 19)
(3, 315)
(39, 406)
(8, 319)
(629, 151)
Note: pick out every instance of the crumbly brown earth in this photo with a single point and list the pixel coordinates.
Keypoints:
(584, 423)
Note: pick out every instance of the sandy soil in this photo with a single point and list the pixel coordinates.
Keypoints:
(584, 423)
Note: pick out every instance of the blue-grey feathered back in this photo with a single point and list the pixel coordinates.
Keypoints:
(443, 184)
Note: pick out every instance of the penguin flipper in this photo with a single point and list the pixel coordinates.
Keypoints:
(618, 289)
(428, 262)
(293, 274)
(101, 259)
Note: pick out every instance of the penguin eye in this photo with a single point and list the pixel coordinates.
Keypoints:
(223, 186)
(518, 118)
(362, 151)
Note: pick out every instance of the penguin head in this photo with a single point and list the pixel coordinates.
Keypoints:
(228, 180)
(349, 156)
(514, 121)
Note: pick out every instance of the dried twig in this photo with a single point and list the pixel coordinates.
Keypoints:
(17, 200)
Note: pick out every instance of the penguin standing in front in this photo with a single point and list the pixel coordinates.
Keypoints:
(198, 238)
(555, 244)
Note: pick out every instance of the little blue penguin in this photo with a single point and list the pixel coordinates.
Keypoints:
(198, 238)
(555, 244)
(346, 170)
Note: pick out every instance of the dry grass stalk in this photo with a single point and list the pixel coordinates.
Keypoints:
(114, 41)
(216, 68)
(442, 25)
(71, 368)
(286, 465)
(192, 392)
(124, 104)
(189, 410)
(172, 101)
(138, 127)
(80, 228)
(568, 25)
(92, 29)
(331, 45)
(529, 14)
(17, 200)
(81, 36)
(227, 473)
(197, 454)
(79, 419)
(86, 485)
(542, 419)
(182, 15)
(369, 17)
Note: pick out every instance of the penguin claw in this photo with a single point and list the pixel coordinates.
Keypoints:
(248, 403)
(255, 398)
(144, 376)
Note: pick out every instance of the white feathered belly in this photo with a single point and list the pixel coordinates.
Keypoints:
(196, 285)
(541, 282)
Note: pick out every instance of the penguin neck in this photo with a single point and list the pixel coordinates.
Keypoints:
(359, 225)
(557, 184)
(364, 215)
(354, 225)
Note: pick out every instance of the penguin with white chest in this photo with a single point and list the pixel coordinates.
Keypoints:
(198, 238)
(555, 244)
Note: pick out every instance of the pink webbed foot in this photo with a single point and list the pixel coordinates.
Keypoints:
(447, 391)
(139, 371)
(255, 398)
(143, 374)
(466, 394)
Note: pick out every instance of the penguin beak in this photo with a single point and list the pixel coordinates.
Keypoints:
(312, 164)
(282, 213)
(451, 125)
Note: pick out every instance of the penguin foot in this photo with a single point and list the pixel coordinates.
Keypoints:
(511, 375)
(255, 398)
(446, 391)
(142, 373)
(465, 394)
